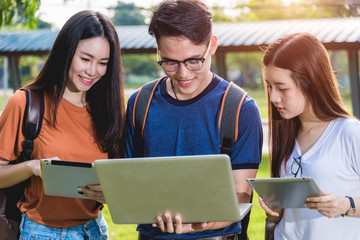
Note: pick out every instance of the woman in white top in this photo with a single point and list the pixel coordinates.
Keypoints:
(311, 135)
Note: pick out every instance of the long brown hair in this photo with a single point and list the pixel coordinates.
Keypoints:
(309, 63)
(106, 98)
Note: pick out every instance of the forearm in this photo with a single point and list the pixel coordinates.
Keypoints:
(243, 189)
(13, 174)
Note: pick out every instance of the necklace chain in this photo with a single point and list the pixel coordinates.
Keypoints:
(172, 86)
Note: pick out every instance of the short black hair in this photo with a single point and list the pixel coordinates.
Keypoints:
(182, 18)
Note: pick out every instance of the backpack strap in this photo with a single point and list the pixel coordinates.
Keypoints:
(228, 118)
(233, 98)
(32, 121)
(142, 104)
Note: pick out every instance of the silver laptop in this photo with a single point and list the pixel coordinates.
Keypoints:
(199, 188)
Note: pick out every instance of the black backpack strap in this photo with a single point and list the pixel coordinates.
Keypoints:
(32, 121)
(142, 104)
(229, 118)
(233, 99)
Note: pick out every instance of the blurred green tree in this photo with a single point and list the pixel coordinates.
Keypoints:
(127, 14)
(245, 68)
(18, 11)
(296, 9)
(137, 67)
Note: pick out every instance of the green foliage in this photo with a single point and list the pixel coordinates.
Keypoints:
(134, 64)
(245, 68)
(255, 10)
(127, 14)
(41, 24)
(259, 96)
(256, 230)
(18, 11)
(140, 64)
(30, 67)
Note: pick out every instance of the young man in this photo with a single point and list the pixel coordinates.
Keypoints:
(183, 114)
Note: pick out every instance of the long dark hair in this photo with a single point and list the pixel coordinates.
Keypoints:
(182, 18)
(309, 63)
(106, 103)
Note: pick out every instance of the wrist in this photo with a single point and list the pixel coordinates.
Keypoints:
(350, 207)
(31, 166)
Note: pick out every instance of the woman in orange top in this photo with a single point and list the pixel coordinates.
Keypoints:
(83, 120)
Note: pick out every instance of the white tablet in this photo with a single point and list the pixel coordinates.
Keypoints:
(284, 192)
(62, 178)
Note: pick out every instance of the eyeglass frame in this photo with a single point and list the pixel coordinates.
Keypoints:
(299, 168)
(160, 62)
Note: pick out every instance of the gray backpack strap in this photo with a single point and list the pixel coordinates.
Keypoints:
(142, 104)
(229, 116)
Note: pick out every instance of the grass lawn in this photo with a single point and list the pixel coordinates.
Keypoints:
(257, 217)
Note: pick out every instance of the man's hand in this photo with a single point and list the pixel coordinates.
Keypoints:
(178, 227)
(94, 192)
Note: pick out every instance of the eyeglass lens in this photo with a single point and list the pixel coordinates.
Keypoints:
(191, 64)
(296, 166)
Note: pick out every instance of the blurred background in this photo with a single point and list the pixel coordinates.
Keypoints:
(242, 67)
(244, 28)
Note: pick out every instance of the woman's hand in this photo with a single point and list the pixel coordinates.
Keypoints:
(274, 215)
(328, 205)
(94, 192)
(178, 226)
(35, 167)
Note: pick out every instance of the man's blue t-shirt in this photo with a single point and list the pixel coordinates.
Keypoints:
(190, 127)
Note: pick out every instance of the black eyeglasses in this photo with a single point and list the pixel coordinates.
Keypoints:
(296, 167)
(193, 64)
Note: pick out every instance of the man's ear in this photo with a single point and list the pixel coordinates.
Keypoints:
(213, 45)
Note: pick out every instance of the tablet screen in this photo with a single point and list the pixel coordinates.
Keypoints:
(285, 192)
